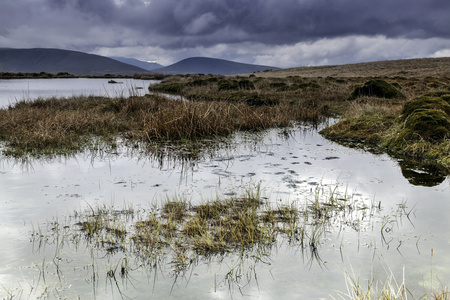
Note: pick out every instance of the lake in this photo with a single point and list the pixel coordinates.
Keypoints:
(399, 227)
(13, 90)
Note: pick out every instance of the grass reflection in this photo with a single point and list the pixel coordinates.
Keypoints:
(238, 233)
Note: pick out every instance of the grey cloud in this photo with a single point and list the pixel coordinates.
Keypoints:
(179, 25)
(290, 21)
(268, 21)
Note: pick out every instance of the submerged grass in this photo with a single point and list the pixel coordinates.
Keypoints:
(248, 224)
(390, 289)
(177, 235)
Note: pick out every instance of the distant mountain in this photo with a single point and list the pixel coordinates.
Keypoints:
(56, 60)
(204, 65)
(138, 63)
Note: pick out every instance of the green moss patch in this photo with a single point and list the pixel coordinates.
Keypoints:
(430, 124)
(422, 130)
(376, 88)
(363, 129)
(437, 93)
(425, 102)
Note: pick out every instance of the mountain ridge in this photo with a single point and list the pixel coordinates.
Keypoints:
(207, 65)
(51, 60)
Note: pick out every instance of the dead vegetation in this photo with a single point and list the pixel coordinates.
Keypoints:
(70, 125)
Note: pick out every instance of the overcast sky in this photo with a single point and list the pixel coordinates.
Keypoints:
(282, 33)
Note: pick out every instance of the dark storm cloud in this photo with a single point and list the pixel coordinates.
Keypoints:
(275, 21)
(208, 22)
(241, 29)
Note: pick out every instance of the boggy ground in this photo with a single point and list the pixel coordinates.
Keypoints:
(384, 112)
(219, 105)
(373, 110)
(216, 107)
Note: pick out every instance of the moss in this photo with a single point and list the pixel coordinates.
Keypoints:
(437, 93)
(306, 86)
(246, 84)
(423, 130)
(429, 124)
(446, 98)
(424, 102)
(376, 88)
(225, 85)
(365, 129)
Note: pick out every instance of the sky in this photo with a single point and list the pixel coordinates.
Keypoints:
(280, 33)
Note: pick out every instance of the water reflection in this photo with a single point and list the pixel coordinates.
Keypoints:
(14, 90)
(122, 261)
(422, 173)
(417, 172)
(393, 219)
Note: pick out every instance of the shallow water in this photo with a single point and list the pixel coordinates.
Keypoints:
(399, 237)
(13, 90)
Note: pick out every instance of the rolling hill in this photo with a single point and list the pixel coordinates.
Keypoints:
(205, 65)
(415, 67)
(56, 60)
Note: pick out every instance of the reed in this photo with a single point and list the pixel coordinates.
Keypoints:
(391, 289)
(69, 125)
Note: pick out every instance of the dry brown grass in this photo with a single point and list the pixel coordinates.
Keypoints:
(367, 106)
(69, 125)
(410, 68)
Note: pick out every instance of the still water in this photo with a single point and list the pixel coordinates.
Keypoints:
(13, 90)
(405, 236)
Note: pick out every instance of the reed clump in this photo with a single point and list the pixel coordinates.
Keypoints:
(71, 125)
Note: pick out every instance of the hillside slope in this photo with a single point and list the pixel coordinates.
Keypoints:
(56, 60)
(418, 67)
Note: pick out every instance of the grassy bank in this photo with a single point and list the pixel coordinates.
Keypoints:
(419, 127)
(326, 94)
(380, 112)
(71, 125)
